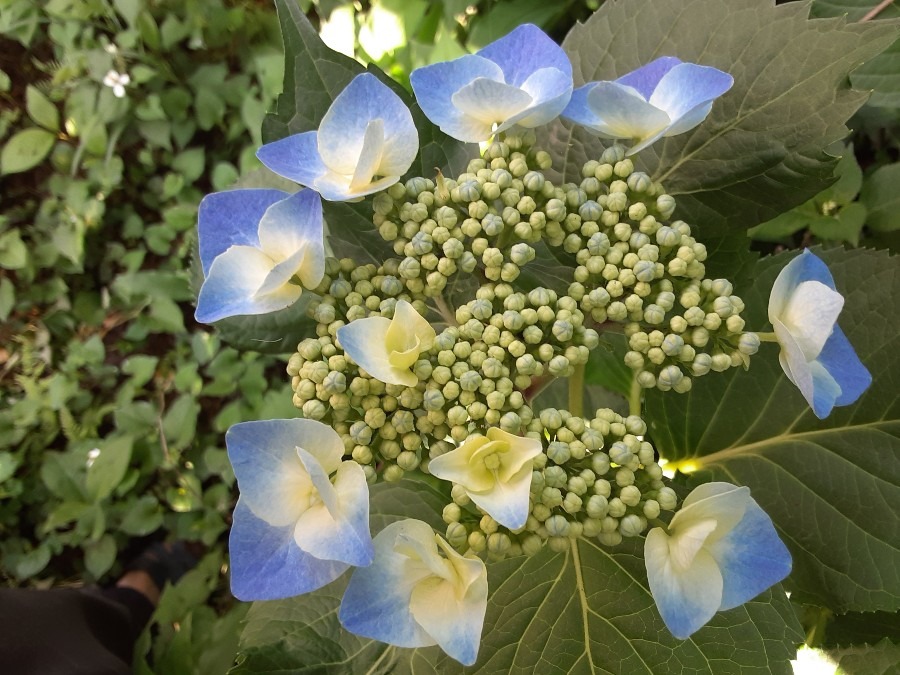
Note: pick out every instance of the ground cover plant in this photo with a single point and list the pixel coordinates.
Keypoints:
(118, 401)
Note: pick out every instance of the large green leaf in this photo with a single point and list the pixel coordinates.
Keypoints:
(761, 150)
(882, 73)
(831, 486)
(587, 610)
(882, 199)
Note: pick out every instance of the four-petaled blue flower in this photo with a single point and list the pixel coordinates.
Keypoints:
(412, 596)
(815, 354)
(523, 79)
(252, 244)
(720, 550)
(365, 142)
(664, 98)
(303, 514)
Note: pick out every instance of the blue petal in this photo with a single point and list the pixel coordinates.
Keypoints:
(840, 360)
(295, 157)
(231, 218)
(435, 85)
(266, 563)
(525, 50)
(578, 110)
(262, 453)
(645, 78)
(551, 91)
(341, 133)
(686, 598)
(686, 88)
(376, 602)
(231, 287)
(751, 558)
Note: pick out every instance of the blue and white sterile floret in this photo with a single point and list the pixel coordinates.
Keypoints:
(522, 79)
(303, 514)
(253, 244)
(364, 144)
(666, 97)
(815, 354)
(719, 551)
(412, 596)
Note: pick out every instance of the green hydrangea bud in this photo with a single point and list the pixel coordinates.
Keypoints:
(667, 499)
(720, 362)
(632, 525)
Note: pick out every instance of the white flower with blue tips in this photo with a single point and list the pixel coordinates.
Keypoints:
(365, 142)
(388, 348)
(253, 243)
(303, 514)
(664, 98)
(522, 79)
(719, 551)
(412, 596)
(495, 471)
(815, 354)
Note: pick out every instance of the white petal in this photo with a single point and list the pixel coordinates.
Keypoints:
(810, 315)
(490, 101)
(364, 341)
(621, 112)
(721, 502)
(369, 156)
(686, 599)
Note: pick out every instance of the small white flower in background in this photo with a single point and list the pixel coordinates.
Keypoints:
(495, 471)
(388, 348)
(117, 81)
(412, 596)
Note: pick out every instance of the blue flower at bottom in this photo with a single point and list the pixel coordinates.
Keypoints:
(412, 596)
(815, 354)
(303, 514)
(719, 551)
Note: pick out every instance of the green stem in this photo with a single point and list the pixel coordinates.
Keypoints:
(634, 397)
(767, 337)
(576, 391)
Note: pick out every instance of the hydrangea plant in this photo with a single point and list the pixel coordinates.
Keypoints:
(435, 486)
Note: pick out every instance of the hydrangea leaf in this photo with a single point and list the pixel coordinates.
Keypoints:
(587, 610)
(882, 73)
(832, 487)
(740, 167)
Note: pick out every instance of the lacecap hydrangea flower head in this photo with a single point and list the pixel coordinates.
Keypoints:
(365, 142)
(522, 79)
(663, 98)
(815, 354)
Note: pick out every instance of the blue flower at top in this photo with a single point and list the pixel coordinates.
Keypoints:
(815, 354)
(366, 141)
(523, 79)
(664, 98)
(253, 244)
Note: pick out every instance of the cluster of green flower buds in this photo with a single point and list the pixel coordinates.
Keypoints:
(630, 265)
(596, 478)
(486, 218)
